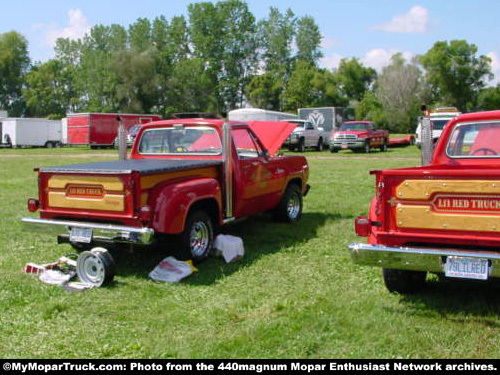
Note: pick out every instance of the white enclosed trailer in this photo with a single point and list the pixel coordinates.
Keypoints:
(257, 114)
(20, 132)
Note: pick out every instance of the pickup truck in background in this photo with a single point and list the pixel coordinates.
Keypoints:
(439, 118)
(359, 136)
(306, 135)
(184, 179)
(441, 218)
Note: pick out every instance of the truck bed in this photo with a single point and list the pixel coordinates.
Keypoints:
(142, 166)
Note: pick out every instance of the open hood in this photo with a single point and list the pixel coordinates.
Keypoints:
(272, 134)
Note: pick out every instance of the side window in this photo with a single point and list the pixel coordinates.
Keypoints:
(245, 144)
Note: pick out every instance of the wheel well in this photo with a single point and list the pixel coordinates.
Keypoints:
(209, 206)
(295, 181)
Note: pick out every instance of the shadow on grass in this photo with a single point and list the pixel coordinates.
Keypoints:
(261, 236)
(472, 300)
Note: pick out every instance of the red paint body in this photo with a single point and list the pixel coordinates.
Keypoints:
(469, 168)
(162, 200)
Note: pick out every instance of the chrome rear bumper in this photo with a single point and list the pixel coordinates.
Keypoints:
(417, 259)
(105, 232)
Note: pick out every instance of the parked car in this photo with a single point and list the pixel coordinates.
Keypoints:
(442, 217)
(306, 135)
(439, 118)
(359, 136)
(185, 178)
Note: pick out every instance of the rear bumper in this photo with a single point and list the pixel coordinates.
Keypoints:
(417, 259)
(100, 232)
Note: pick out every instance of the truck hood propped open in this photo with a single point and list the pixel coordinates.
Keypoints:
(272, 134)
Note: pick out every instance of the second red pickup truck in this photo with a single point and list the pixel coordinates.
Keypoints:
(359, 136)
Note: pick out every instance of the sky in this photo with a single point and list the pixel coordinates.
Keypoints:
(370, 30)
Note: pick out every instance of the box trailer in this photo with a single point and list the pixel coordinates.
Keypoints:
(328, 118)
(20, 132)
(257, 114)
(101, 129)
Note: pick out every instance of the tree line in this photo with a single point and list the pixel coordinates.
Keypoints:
(220, 57)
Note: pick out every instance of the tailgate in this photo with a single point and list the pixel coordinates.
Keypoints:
(441, 203)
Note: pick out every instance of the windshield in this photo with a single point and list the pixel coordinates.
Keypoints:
(475, 140)
(300, 124)
(134, 129)
(184, 140)
(353, 126)
(439, 124)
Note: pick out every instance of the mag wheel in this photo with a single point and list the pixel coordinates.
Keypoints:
(198, 236)
(403, 281)
(290, 208)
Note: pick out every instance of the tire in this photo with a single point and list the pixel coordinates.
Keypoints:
(302, 146)
(334, 150)
(289, 210)
(116, 144)
(95, 267)
(49, 145)
(384, 147)
(319, 147)
(403, 281)
(198, 236)
(367, 147)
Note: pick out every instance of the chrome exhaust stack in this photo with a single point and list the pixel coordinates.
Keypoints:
(426, 136)
(228, 169)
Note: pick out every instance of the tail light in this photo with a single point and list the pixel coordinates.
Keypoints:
(33, 205)
(145, 213)
(363, 226)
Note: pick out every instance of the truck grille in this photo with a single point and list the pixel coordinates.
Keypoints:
(346, 136)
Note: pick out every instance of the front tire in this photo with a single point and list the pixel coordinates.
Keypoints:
(367, 147)
(289, 209)
(302, 145)
(198, 236)
(403, 281)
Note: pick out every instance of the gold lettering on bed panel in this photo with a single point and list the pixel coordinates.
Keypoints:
(423, 189)
(108, 183)
(422, 217)
(77, 192)
(147, 182)
(110, 202)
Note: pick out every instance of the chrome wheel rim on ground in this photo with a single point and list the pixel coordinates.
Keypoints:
(95, 267)
(199, 239)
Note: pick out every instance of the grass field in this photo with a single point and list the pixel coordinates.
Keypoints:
(295, 294)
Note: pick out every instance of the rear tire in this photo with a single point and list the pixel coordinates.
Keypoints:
(384, 147)
(289, 209)
(319, 147)
(198, 236)
(403, 281)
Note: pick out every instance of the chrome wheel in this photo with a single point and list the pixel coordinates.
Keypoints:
(199, 239)
(294, 206)
(95, 267)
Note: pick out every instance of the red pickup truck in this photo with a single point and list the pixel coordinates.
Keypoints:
(443, 217)
(185, 177)
(359, 136)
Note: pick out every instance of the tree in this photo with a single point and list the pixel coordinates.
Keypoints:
(308, 41)
(14, 63)
(49, 89)
(398, 89)
(489, 98)
(456, 73)
(354, 78)
(264, 91)
(370, 108)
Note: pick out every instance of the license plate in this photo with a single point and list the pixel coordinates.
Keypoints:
(80, 235)
(467, 268)
(344, 146)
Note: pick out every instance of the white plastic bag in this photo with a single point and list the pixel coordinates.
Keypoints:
(171, 270)
(231, 247)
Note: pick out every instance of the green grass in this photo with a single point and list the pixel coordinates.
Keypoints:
(295, 294)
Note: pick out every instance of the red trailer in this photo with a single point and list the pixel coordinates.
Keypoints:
(101, 129)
